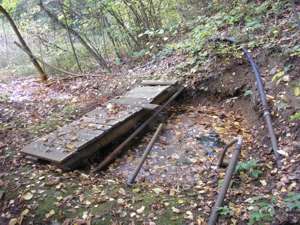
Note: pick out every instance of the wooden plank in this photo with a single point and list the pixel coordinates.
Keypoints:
(158, 82)
(79, 140)
(77, 135)
(61, 143)
(147, 92)
(135, 102)
(107, 138)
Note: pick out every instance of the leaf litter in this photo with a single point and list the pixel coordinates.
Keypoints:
(178, 182)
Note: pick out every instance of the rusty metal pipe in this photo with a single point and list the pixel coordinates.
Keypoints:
(131, 179)
(223, 153)
(229, 173)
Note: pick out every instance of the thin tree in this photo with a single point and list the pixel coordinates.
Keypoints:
(100, 60)
(38, 67)
(70, 38)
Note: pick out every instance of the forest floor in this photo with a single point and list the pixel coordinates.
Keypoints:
(179, 181)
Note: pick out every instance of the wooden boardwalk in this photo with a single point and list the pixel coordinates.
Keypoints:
(75, 143)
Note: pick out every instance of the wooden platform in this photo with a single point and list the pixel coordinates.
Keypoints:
(78, 141)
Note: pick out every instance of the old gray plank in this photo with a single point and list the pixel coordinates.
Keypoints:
(77, 135)
(146, 92)
(135, 102)
(158, 82)
(101, 123)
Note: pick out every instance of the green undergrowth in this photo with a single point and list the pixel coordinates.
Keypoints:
(251, 24)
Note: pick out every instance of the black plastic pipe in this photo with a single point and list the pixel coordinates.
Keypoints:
(229, 173)
(262, 95)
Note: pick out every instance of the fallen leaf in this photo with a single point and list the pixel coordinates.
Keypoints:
(189, 215)
(27, 196)
(157, 190)
(23, 214)
(263, 182)
(50, 213)
(13, 221)
(122, 191)
(140, 210)
(175, 210)
(132, 214)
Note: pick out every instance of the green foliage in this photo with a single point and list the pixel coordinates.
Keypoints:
(261, 211)
(3, 98)
(225, 211)
(248, 93)
(295, 116)
(292, 201)
(165, 52)
(10, 5)
(251, 167)
(278, 76)
(118, 29)
(138, 54)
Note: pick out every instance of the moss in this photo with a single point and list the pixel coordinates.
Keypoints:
(170, 218)
(46, 205)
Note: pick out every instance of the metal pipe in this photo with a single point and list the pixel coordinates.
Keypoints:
(229, 173)
(119, 149)
(131, 179)
(263, 98)
(221, 158)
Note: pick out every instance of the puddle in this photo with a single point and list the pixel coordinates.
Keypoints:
(211, 141)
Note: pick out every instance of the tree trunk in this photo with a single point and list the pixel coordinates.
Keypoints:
(70, 39)
(41, 72)
(100, 60)
(122, 24)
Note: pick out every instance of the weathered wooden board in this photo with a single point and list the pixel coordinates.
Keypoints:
(82, 138)
(63, 142)
(135, 102)
(147, 92)
(159, 82)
